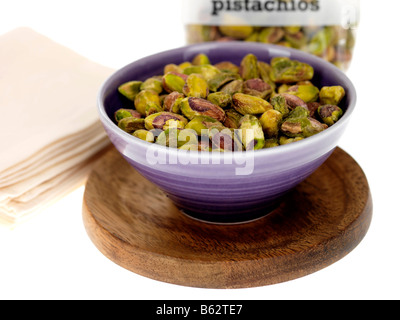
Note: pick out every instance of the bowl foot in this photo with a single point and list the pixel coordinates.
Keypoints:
(229, 218)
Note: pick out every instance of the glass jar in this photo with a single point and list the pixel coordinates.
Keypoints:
(326, 28)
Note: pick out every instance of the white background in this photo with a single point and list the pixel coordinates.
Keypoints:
(51, 257)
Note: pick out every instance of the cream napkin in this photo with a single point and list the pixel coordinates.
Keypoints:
(50, 133)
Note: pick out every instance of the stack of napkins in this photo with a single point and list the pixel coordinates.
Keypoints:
(50, 133)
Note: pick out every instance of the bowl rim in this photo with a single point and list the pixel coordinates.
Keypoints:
(274, 50)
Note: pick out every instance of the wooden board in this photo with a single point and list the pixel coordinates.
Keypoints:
(135, 225)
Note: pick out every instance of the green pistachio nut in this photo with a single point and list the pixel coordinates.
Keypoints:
(307, 93)
(190, 147)
(296, 122)
(200, 59)
(172, 67)
(208, 71)
(279, 104)
(172, 102)
(286, 140)
(232, 119)
(168, 138)
(294, 127)
(154, 84)
(130, 89)
(285, 70)
(192, 107)
(302, 127)
(126, 113)
(236, 86)
(146, 98)
(210, 33)
(270, 122)
(330, 114)
(173, 123)
(220, 99)
(298, 112)
(284, 44)
(253, 37)
(271, 143)
(332, 95)
(130, 125)
(293, 101)
(221, 79)
(194, 33)
(283, 88)
(329, 54)
(174, 81)
(144, 135)
(187, 137)
(195, 86)
(257, 88)
(224, 139)
(292, 29)
(159, 120)
(305, 83)
(249, 67)
(247, 104)
(153, 108)
(271, 35)
(177, 138)
(185, 65)
(227, 66)
(201, 124)
(313, 108)
(236, 32)
(320, 42)
(296, 40)
(314, 128)
(204, 145)
(264, 70)
(252, 134)
(162, 98)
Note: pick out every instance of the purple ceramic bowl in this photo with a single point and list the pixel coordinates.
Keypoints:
(224, 187)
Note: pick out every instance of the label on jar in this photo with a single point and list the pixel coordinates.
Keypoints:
(272, 12)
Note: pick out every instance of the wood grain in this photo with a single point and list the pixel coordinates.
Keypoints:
(135, 225)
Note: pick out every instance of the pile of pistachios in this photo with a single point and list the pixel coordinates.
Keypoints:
(332, 43)
(226, 107)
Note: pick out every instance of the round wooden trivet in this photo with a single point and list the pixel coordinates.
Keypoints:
(135, 225)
